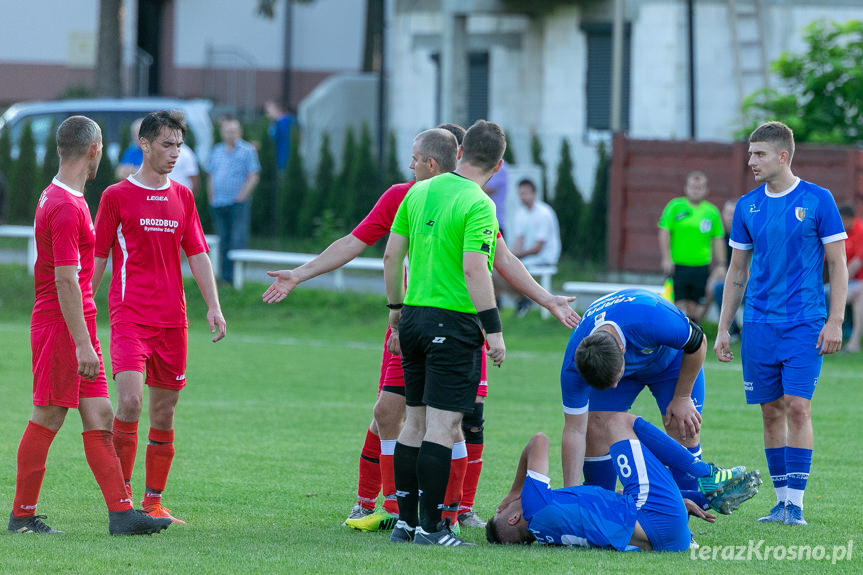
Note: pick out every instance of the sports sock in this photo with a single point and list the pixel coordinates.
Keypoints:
(105, 465)
(797, 463)
(600, 471)
(455, 483)
(160, 454)
(407, 486)
(126, 445)
(685, 481)
(32, 453)
(433, 465)
(668, 451)
(777, 468)
(369, 481)
(388, 480)
(471, 476)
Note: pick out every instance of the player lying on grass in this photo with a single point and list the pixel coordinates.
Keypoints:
(650, 514)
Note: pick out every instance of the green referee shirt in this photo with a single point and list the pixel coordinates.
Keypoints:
(692, 229)
(443, 217)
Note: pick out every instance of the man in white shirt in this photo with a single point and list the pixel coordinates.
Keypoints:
(186, 169)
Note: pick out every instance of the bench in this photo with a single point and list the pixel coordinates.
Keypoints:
(242, 257)
(28, 233)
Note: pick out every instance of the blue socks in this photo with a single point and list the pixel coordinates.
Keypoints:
(600, 471)
(797, 464)
(776, 467)
(668, 451)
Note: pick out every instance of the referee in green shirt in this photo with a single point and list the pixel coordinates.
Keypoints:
(690, 239)
(447, 227)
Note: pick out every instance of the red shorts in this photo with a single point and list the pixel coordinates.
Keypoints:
(55, 366)
(393, 376)
(161, 351)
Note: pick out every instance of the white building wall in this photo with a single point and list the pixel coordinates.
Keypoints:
(68, 35)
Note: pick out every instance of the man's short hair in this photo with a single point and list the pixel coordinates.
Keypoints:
(599, 359)
(776, 134)
(75, 135)
(508, 536)
(696, 175)
(484, 144)
(455, 130)
(527, 182)
(153, 123)
(441, 146)
(847, 211)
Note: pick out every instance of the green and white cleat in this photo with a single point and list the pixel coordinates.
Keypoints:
(718, 478)
(732, 495)
(378, 521)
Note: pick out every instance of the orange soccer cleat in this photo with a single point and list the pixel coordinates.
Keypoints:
(159, 510)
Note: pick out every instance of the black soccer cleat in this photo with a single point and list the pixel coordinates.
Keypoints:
(29, 524)
(135, 522)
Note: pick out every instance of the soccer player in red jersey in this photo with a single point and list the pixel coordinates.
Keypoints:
(145, 220)
(376, 458)
(67, 360)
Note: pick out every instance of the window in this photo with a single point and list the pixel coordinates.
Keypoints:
(477, 87)
(599, 75)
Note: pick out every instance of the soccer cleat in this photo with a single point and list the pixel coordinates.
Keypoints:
(358, 512)
(732, 495)
(776, 515)
(402, 533)
(444, 537)
(718, 478)
(29, 524)
(377, 521)
(794, 515)
(693, 544)
(456, 529)
(159, 510)
(136, 522)
(471, 519)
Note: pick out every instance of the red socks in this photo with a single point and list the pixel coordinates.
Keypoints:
(369, 484)
(160, 454)
(126, 445)
(103, 461)
(32, 453)
(453, 496)
(388, 479)
(471, 478)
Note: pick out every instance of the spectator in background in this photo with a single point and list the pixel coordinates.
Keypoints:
(854, 255)
(186, 171)
(280, 131)
(132, 156)
(497, 190)
(234, 171)
(690, 239)
(536, 237)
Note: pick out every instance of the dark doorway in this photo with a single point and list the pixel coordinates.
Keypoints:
(150, 19)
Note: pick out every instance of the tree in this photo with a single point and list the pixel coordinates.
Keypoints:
(342, 202)
(5, 173)
(23, 189)
(264, 202)
(109, 51)
(568, 204)
(393, 173)
(595, 224)
(94, 188)
(294, 187)
(51, 161)
(364, 178)
(536, 156)
(822, 96)
(314, 212)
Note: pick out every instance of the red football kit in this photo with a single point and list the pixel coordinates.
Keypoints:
(64, 237)
(146, 228)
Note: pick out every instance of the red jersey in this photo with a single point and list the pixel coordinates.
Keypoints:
(64, 237)
(146, 228)
(854, 245)
(378, 221)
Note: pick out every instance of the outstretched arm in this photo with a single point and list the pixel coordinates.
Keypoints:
(513, 271)
(534, 456)
(202, 270)
(335, 256)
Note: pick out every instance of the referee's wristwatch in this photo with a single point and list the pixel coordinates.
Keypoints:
(395, 305)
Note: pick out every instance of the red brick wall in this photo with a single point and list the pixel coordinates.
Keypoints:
(646, 174)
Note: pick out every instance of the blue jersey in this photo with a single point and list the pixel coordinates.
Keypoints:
(581, 516)
(786, 233)
(653, 332)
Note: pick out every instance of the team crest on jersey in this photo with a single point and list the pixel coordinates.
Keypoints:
(800, 213)
(705, 226)
(753, 209)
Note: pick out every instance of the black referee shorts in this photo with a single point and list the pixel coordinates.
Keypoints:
(441, 357)
(690, 283)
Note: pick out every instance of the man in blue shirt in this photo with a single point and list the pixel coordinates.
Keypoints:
(781, 234)
(234, 172)
(650, 514)
(626, 341)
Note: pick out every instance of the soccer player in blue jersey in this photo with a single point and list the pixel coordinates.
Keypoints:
(650, 514)
(781, 234)
(626, 341)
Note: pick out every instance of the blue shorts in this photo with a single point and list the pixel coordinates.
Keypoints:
(622, 397)
(780, 359)
(649, 484)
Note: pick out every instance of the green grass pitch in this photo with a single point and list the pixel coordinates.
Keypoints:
(268, 437)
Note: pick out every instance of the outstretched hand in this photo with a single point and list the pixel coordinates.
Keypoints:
(697, 511)
(560, 308)
(279, 290)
